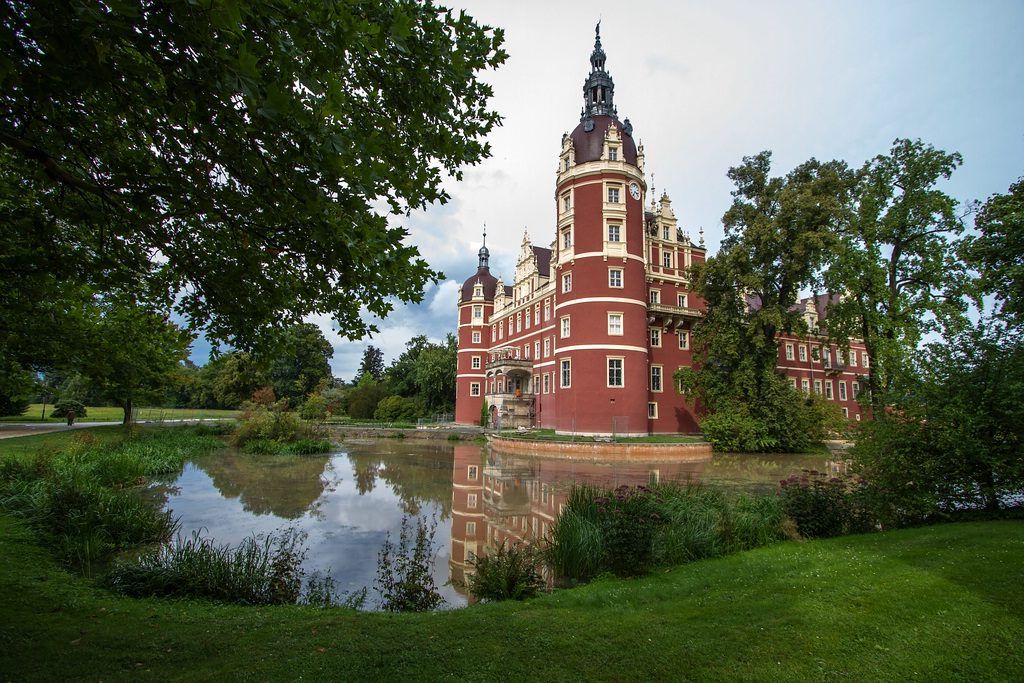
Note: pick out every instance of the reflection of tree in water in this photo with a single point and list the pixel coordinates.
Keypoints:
(760, 472)
(283, 485)
(416, 473)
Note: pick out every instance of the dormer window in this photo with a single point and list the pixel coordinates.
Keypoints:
(478, 290)
(565, 164)
(613, 154)
(664, 232)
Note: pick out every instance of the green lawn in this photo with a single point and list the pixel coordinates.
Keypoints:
(938, 603)
(115, 414)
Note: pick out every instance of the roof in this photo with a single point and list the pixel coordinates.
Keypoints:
(484, 277)
(543, 256)
(821, 304)
(589, 146)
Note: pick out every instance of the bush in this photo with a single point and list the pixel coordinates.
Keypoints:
(629, 519)
(509, 573)
(63, 406)
(255, 572)
(314, 409)
(823, 506)
(737, 432)
(396, 409)
(405, 579)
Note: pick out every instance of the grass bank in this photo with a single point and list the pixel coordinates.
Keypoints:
(34, 413)
(936, 603)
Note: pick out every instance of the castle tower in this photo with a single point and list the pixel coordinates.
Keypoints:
(600, 316)
(476, 303)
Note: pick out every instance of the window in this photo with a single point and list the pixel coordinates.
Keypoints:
(526, 323)
(501, 330)
(536, 349)
(655, 336)
(566, 374)
(656, 375)
(806, 386)
(565, 326)
(547, 310)
(547, 348)
(792, 383)
(828, 358)
(613, 195)
(815, 354)
(566, 282)
(828, 389)
(471, 472)
(614, 233)
(803, 353)
(681, 300)
(519, 321)
(853, 359)
(652, 411)
(478, 312)
(856, 390)
(789, 352)
(864, 358)
(664, 232)
(846, 413)
(566, 201)
(684, 339)
(547, 382)
(478, 291)
(613, 154)
(566, 238)
(615, 372)
(474, 389)
(471, 504)
(842, 391)
(666, 259)
(476, 362)
(654, 296)
(476, 337)
(817, 387)
(615, 277)
(493, 333)
(615, 324)
(526, 351)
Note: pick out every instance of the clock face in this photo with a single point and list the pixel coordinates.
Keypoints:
(634, 190)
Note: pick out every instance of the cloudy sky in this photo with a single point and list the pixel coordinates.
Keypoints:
(705, 84)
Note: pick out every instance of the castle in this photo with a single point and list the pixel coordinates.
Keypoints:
(588, 336)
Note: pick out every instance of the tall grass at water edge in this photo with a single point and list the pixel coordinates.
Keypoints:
(82, 496)
(629, 531)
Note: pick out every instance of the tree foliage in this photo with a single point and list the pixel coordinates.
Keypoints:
(300, 363)
(371, 366)
(998, 251)
(232, 157)
(896, 263)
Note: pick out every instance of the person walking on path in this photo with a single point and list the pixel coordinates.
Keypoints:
(71, 417)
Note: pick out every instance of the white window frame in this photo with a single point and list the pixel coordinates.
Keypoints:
(842, 391)
(853, 359)
(790, 354)
(817, 387)
(547, 347)
(666, 258)
(659, 371)
(617, 235)
(616, 330)
(684, 340)
(829, 394)
(566, 239)
(547, 383)
(476, 337)
(652, 410)
(613, 194)
(474, 388)
(682, 300)
(478, 312)
(622, 278)
(565, 373)
(613, 153)
(475, 363)
(654, 296)
(805, 386)
(803, 353)
(566, 282)
(654, 337)
(621, 369)
(565, 327)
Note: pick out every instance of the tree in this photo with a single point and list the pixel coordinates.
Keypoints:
(300, 362)
(998, 251)
(401, 375)
(133, 353)
(232, 378)
(896, 263)
(957, 440)
(372, 365)
(435, 374)
(778, 234)
(242, 147)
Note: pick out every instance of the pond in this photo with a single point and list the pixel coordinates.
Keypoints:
(348, 501)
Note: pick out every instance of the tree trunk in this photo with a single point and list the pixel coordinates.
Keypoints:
(988, 489)
(128, 409)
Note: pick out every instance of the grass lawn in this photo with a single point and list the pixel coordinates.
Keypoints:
(937, 603)
(115, 414)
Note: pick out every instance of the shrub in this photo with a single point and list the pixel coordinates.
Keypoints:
(396, 409)
(64, 405)
(314, 409)
(823, 506)
(405, 579)
(265, 571)
(509, 573)
(733, 430)
(629, 519)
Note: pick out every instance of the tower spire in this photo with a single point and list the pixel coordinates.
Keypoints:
(484, 255)
(598, 89)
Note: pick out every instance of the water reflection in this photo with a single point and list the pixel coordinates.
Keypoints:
(348, 502)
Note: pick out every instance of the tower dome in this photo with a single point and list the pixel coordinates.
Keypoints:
(483, 277)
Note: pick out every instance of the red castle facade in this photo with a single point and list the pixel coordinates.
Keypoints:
(588, 336)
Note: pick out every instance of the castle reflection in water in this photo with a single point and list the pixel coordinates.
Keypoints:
(500, 498)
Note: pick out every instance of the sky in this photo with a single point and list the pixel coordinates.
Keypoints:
(705, 84)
